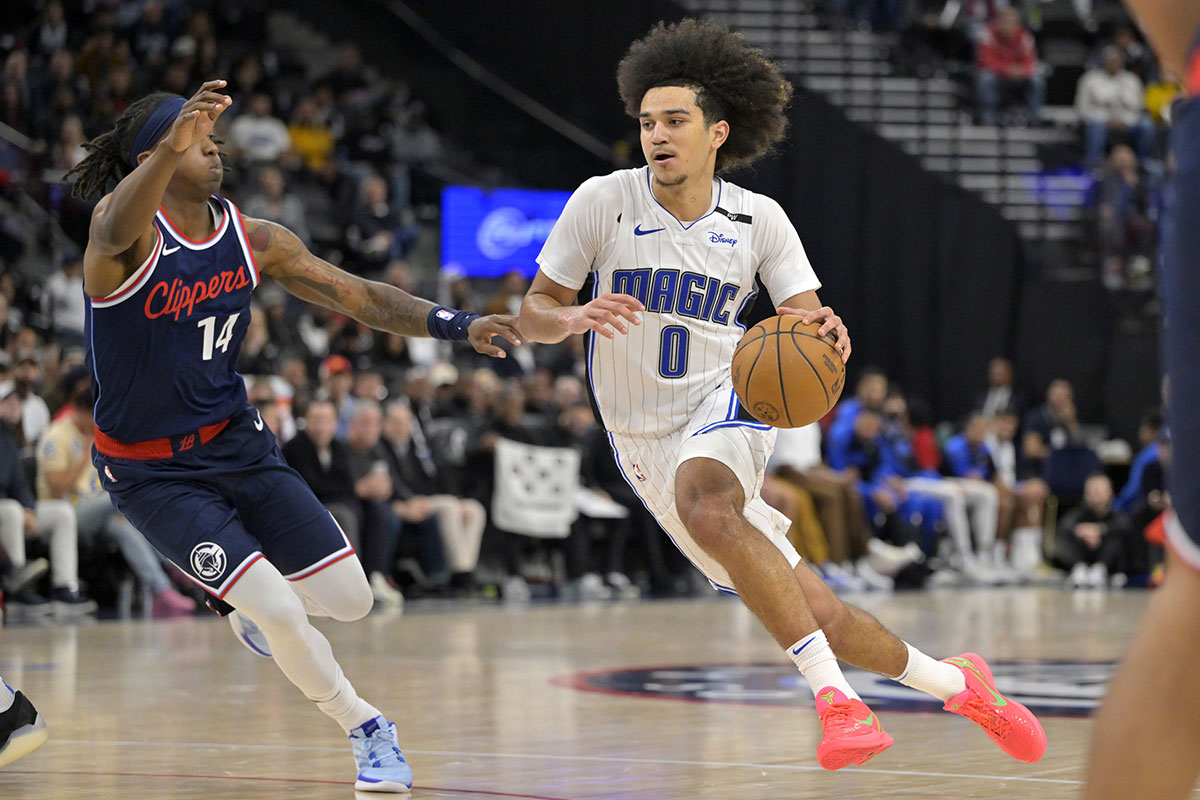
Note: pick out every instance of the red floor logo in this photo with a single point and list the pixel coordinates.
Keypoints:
(1052, 688)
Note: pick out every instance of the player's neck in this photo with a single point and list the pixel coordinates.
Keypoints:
(688, 201)
(191, 218)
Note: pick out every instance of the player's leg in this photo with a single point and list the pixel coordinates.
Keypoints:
(963, 683)
(1147, 736)
(751, 546)
(304, 655)
(22, 729)
(954, 505)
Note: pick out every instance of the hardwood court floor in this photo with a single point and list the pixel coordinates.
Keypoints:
(485, 702)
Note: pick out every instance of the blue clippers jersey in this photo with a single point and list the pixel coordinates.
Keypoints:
(164, 346)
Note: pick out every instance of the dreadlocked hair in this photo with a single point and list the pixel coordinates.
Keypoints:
(107, 160)
(735, 82)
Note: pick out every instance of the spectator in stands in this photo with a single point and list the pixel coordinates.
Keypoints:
(1135, 56)
(312, 140)
(26, 379)
(1122, 212)
(319, 455)
(419, 486)
(1001, 391)
(1092, 538)
(1050, 426)
(258, 355)
(1110, 105)
(274, 202)
(68, 149)
(378, 231)
(1022, 493)
(1007, 65)
(65, 472)
(1149, 431)
(258, 137)
(508, 297)
(368, 469)
(797, 461)
(969, 463)
(63, 301)
(22, 514)
(337, 381)
(51, 33)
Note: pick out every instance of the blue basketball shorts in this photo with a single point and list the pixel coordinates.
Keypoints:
(217, 507)
(1180, 288)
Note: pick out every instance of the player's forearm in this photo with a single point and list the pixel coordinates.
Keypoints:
(543, 319)
(130, 208)
(1171, 26)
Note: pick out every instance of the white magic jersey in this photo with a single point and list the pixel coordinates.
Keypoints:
(695, 280)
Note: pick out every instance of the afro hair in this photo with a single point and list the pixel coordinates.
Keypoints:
(735, 82)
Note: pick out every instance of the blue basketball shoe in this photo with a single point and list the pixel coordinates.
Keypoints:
(381, 765)
(249, 634)
(22, 729)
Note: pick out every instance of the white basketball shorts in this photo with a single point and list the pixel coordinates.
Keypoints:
(714, 431)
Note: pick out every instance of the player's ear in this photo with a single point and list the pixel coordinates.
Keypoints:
(719, 132)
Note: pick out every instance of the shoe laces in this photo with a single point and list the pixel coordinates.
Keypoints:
(381, 748)
(982, 712)
(839, 718)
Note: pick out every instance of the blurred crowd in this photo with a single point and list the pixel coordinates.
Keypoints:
(408, 441)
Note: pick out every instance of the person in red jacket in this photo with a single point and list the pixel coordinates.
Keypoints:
(1007, 66)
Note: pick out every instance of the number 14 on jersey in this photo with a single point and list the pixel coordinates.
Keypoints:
(209, 326)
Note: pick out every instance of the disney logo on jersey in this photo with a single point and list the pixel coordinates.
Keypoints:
(179, 299)
(671, 291)
(506, 230)
(720, 238)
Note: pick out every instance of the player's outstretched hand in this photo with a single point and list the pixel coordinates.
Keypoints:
(481, 332)
(197, 116)
(830, 323)
(606, 310)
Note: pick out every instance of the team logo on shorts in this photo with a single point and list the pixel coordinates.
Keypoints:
(637, 473)
(208, 561)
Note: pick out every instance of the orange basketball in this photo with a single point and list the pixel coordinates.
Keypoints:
(785, 374)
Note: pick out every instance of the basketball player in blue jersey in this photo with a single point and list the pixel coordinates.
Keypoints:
(169, 269)
(674, 253)
(1147, 737)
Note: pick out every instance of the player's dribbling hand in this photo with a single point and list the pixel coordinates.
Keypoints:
(481, 332)
(197, 116)
(830, 323)
(605, 311)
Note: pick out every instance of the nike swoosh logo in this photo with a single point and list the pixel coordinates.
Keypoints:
(637, 230)
(870, 720)
(168, 250)
(796, 652)
(258, 423)
(1000, 700)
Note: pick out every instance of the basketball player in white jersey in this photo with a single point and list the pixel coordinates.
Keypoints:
(673, 252)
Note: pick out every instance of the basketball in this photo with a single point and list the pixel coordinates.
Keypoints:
(785, 374)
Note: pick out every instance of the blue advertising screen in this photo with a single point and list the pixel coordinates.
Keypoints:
(487, 233)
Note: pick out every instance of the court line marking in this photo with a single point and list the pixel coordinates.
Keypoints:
(600, 759)
(268, 780)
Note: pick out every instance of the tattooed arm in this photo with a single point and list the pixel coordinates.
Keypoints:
(280, 254)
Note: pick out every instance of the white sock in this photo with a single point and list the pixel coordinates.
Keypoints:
(928, 675)
(814, 658)
(345, 707)
(7, 696)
